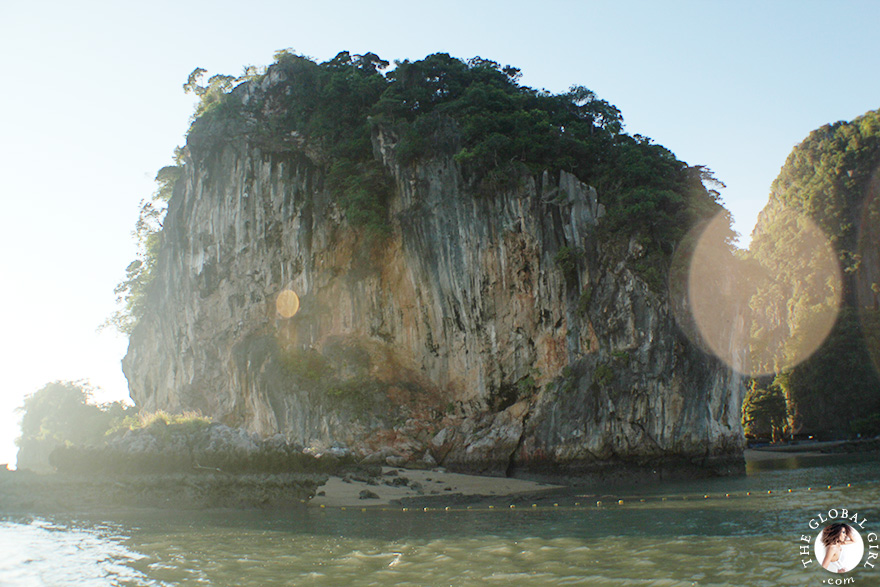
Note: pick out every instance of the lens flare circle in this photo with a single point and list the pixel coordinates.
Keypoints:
(287, 303)
(761, 311)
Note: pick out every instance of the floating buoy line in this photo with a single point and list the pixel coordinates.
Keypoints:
(584, 505)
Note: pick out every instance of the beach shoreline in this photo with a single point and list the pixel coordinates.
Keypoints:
(397, 485)
(440, 488)
(351, 486)
(810, 448)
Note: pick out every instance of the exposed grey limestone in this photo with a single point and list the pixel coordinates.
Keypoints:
(460, 334)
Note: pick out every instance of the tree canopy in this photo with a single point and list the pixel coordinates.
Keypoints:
(473, 111)
(131, 292)
(62, 413)
(831, 178)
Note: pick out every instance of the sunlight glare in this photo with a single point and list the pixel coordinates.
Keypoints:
(759, 312)
(287, 303)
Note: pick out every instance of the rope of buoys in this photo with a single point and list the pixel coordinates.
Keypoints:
(576, 505)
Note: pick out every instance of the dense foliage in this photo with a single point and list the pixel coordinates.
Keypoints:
(838, 385)
(827, 177)
(831, 178)
(63, 414)
(764, 413)
(475, 112)
(131, 292)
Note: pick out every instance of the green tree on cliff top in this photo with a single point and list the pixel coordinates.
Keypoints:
(474, 112)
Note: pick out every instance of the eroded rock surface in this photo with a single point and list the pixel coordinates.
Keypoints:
(495, 333)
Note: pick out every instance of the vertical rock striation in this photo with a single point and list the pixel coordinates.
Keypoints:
(498, 334)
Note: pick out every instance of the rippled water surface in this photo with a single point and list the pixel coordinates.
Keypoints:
(665, 536)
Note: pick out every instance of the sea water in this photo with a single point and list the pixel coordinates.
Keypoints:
(735, 531)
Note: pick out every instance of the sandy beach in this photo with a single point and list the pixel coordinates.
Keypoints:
(398, 484)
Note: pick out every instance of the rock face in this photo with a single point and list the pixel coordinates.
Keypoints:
(495, 334)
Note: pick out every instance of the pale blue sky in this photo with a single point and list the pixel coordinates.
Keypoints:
(92, 107)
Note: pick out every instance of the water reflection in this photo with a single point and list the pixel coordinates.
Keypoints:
(665, 535)
(40, 553)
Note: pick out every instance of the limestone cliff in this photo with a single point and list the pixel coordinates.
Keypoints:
(501, 333)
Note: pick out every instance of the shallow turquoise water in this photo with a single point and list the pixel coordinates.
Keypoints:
(674, 537)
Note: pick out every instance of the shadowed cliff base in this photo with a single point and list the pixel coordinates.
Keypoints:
(632, 471)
